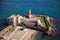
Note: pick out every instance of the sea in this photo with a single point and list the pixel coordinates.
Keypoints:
(40, 7)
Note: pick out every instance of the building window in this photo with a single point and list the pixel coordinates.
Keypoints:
(6, 31)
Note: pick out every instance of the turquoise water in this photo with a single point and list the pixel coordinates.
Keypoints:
(41, 7)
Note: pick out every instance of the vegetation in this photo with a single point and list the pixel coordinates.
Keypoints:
(42, 19)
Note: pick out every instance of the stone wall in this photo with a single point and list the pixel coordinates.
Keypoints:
(5, 31)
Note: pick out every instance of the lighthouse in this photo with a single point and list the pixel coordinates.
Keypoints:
(29, 13)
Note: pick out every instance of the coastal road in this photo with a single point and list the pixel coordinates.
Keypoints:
(25, 34)
(17, 34)
(12, 33)
(8, 38)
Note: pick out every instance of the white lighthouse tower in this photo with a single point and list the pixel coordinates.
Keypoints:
(29, 13)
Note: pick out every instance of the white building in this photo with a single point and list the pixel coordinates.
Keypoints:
(19, 19)
(14, 22)
(39, 22)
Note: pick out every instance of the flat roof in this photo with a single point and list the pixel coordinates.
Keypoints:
(27, 19)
